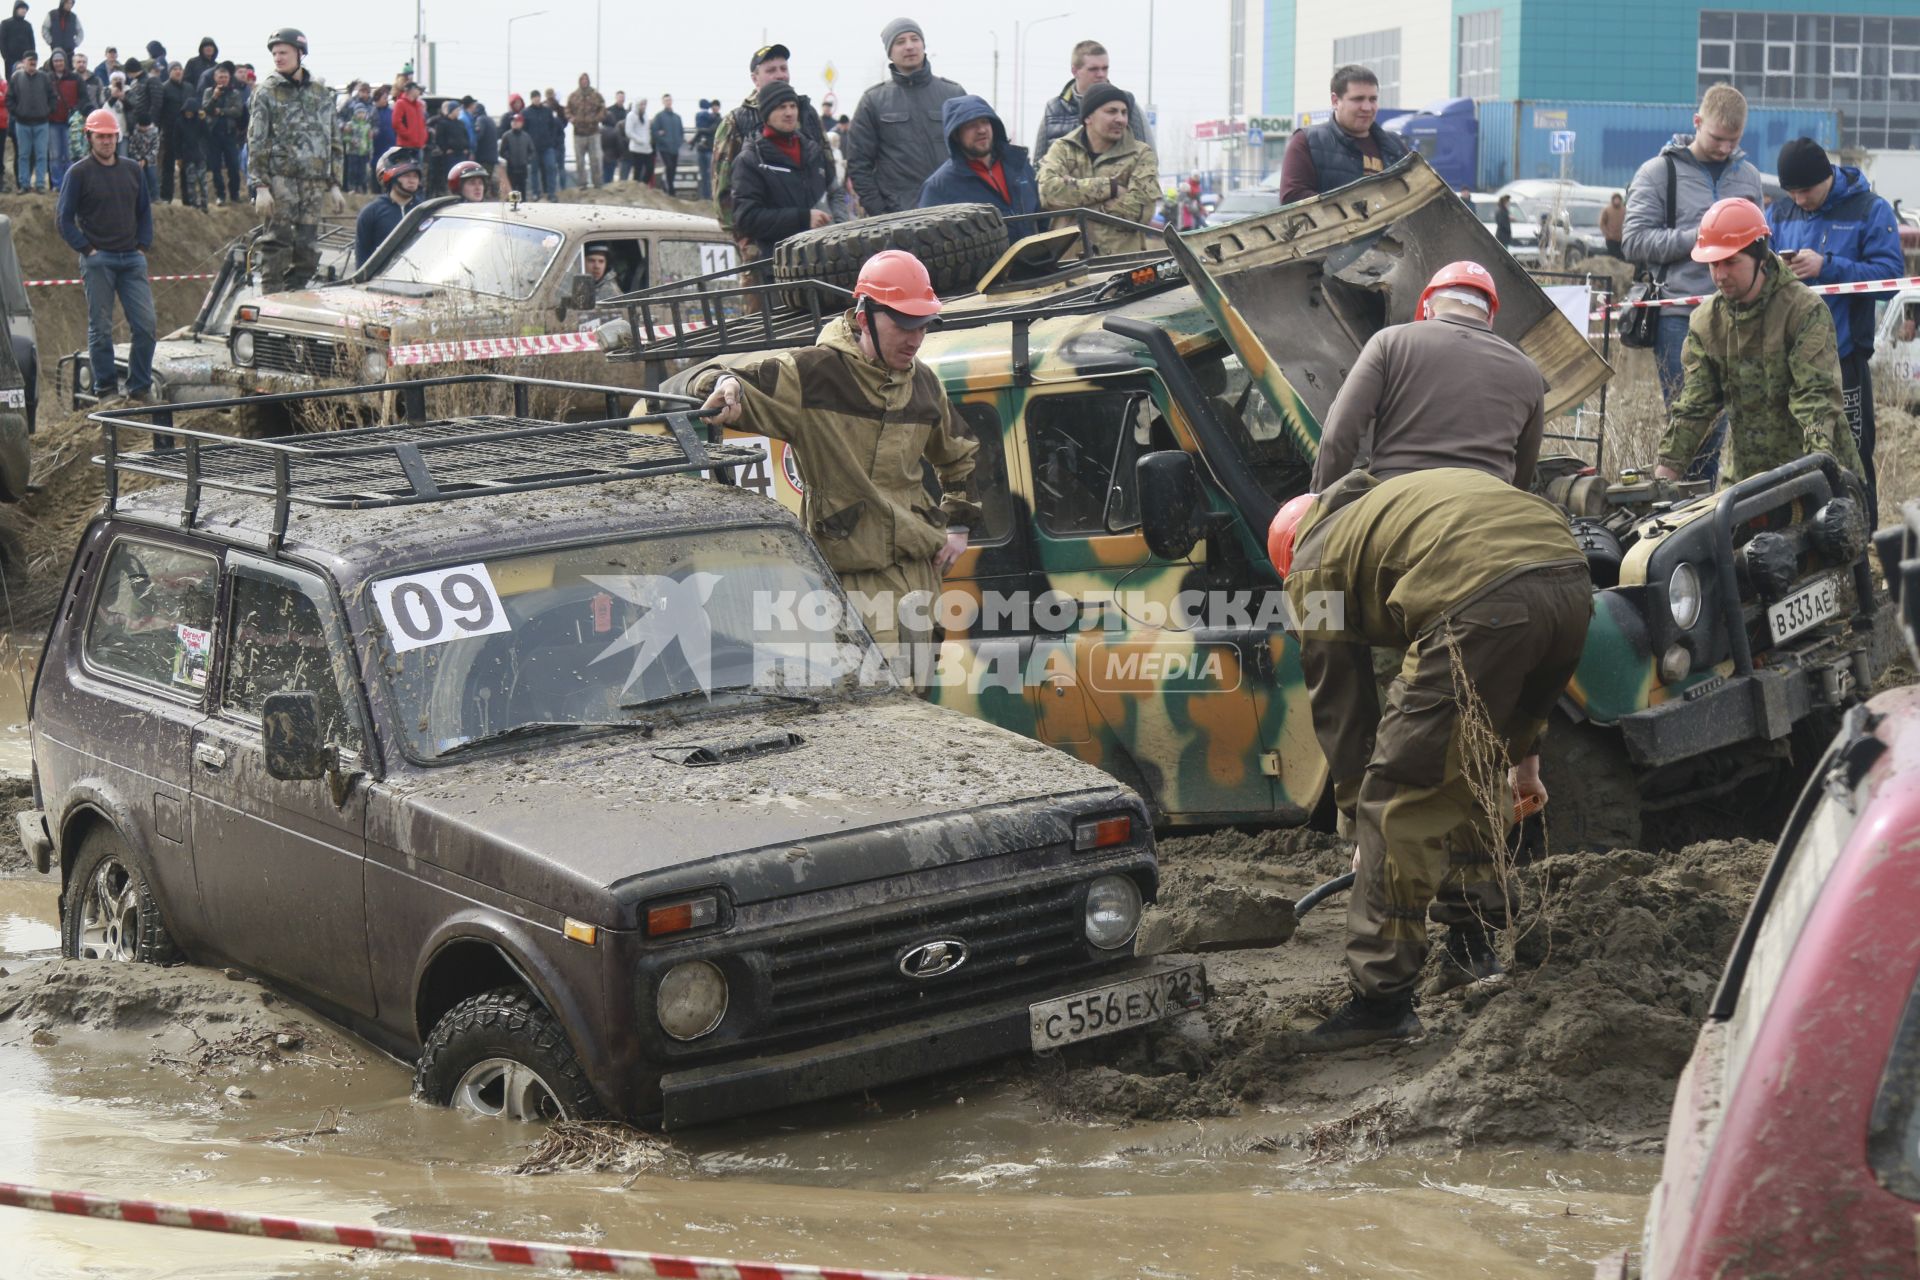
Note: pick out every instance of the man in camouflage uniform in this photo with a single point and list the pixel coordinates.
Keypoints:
(1763, 349)
(743, 124)
(1102, 166)
(293, 163)
(1481, 587)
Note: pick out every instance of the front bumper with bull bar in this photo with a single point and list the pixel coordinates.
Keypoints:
(889, 1055)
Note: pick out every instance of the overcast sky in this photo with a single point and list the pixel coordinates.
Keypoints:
(702, 48)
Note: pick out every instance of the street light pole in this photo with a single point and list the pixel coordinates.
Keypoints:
(1020, 72)
(537, 13)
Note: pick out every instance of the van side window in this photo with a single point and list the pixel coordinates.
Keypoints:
(1083, 447)
(277, 643)
(989, 474)
(153, 616)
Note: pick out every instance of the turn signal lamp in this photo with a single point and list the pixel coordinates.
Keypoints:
(581, 931)
(1102, 833)
(678, 917)
(249, 313)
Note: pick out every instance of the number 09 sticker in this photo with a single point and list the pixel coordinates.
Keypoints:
(425, 609)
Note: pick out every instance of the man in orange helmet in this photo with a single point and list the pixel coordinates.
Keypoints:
(862, 412)
(1763, 349)
(1445, 391)
(105, 214)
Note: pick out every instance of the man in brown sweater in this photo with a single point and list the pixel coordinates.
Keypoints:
(1445, 391)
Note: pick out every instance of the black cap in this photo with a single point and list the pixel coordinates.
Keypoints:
(1803, 163)
(1099, 96)
(761, 54)
(598, 248)
(774, 95)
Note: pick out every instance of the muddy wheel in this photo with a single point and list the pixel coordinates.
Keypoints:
(1594, 793)
(501, 1056)
(108, 911)
(956, 243)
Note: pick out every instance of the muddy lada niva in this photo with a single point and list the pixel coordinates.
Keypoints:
(1141, 418)
(563, 772)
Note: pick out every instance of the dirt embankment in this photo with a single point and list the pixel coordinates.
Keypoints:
(1579, 1046)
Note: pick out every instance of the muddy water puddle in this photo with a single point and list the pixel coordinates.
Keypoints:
(963, 1175)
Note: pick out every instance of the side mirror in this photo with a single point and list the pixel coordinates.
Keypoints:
(580, 293)
(1172, 503)
(297, 750)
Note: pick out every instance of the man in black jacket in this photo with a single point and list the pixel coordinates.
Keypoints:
(199, 71)
(105, 215)
(446, 145)
(30, 101)
(16, 37)
(225, 108)
(777, 187)
(170, 115)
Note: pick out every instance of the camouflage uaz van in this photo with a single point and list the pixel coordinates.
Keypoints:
(1142, 418)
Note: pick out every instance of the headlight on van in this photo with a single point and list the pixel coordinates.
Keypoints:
(243, 347)
(1113, 911)
(1683, 596)
(373, 366)
(691, 1000)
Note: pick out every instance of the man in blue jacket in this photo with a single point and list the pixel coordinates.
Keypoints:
(981, 167)
(1835, 230)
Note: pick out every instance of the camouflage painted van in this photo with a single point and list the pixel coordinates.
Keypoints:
(1141, 420)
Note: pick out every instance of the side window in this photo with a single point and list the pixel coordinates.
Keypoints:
(153, 616)
(989, 474)
(626, 262)
(278, 643)
(1083, 448)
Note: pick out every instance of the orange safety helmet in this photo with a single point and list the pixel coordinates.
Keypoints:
(101, 120)
(896, 280)
(1730, 226)
(1280, 532)
(1460, 275)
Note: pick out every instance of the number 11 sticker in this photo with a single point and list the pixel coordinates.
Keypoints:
(424, 609)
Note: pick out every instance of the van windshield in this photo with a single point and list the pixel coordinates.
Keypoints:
(476, 255)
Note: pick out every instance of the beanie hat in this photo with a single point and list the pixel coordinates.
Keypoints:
(774, 95)
(1803, 163)
(156, 51)
(897, 28)
(1099, 96)
(132, 67)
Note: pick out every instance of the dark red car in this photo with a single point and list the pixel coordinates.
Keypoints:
(1794, 1148)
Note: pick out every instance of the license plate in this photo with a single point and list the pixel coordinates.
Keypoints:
(1807, 607)
(1118, 1006)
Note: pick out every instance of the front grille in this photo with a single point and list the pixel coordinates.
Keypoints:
(291, 353)
(850, 974)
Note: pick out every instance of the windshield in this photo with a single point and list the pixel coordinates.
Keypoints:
(1278, 463)
(614, 633)
(479, 255)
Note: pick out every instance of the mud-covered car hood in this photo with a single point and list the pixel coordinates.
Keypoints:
(877, 786)
(349, 306)
(1297, 292)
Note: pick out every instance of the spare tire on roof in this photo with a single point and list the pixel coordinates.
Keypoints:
(955, 242)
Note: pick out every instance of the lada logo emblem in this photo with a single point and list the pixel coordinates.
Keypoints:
(933, 959)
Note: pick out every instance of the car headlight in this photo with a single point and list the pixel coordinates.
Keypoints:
(691, 1000)
(373, 366)
(1683, 596)
(243, 347)
(1113, 911)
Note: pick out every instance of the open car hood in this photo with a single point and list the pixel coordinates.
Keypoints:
(1297, 292)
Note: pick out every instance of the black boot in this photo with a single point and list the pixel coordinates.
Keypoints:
(1363, 1020)
(1468, 958)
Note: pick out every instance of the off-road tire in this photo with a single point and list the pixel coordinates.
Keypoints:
(151, 943)
(1594, 795)
(505, 1023)
(956, 243)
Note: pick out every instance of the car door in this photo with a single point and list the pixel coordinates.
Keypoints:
(280, 863)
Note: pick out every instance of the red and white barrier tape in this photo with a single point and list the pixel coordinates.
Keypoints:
(618, 1262)
(544, 344)
(1857, 286)
(31, 283)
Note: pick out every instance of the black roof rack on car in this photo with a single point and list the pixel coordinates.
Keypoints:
(742, 309)
(420, 460)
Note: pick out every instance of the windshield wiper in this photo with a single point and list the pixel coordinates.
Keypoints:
(531, 728)
(688, 695)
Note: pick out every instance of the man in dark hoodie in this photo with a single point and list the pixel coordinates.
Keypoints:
(199, 70)
(778, 187)
(981, 167)
(1833, 229)
(16, 37)
(895, 145)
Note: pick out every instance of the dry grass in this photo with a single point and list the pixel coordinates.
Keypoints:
(601, 1146)
(1366, 1132)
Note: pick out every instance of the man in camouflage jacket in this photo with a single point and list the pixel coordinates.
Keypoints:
(293, 163)
(1102, 166)
(1763, 349)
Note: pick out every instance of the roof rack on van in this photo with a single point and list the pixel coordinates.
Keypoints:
(742, 309)
(419, 460)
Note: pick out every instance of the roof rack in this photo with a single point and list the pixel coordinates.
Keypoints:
(742, 309)
(422, 460)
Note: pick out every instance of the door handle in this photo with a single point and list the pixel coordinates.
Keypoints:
(209, 755)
